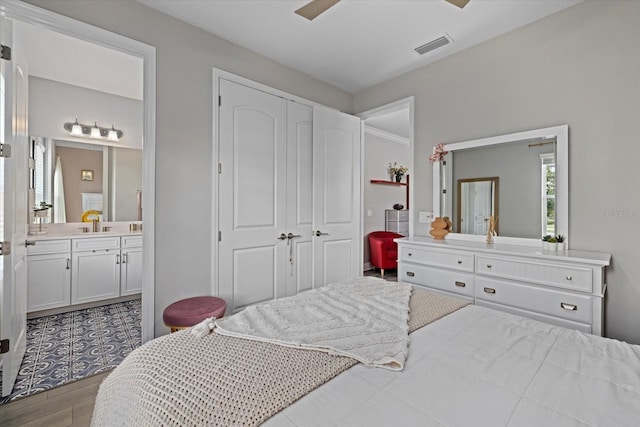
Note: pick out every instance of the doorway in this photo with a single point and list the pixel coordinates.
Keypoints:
(25, 14)
(388, 142)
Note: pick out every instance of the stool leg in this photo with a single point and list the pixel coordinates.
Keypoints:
(382, 272)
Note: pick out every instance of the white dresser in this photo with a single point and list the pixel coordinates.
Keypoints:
(564, 288)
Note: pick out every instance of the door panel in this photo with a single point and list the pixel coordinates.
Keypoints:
(299, 196)
(252, 195)
(336, 165)
(13, 212)
(256, 272)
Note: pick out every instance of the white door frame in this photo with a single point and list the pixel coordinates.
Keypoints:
(19, 11)
(378, 111)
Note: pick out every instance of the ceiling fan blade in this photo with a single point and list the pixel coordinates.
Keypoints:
(459, 3)
(314, 8)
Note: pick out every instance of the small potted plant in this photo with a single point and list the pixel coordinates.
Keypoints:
(553, 243)
(545, 242)
(560, 238)
(397, 171)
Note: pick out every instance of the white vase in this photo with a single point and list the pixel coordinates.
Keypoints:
(553, 246)
(545, 245)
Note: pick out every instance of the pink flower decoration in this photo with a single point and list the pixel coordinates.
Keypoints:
(438, 154)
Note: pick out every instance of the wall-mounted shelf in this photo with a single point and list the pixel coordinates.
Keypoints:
(396, 184)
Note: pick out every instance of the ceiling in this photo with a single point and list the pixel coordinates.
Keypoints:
(357, 43)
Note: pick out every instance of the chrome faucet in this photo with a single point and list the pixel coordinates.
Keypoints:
(95, 225)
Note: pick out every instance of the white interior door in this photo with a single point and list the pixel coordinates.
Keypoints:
(336, 198)
(13, 189)
(299, 197)
(252, 196)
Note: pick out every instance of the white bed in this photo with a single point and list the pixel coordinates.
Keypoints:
(474, 367)
(481, 367)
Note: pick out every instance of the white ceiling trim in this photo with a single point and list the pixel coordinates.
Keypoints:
(370, 130)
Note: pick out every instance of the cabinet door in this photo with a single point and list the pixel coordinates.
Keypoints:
(96, 276)
(131, 272)
(48, 281)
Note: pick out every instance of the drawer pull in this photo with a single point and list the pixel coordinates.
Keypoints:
(410, 273)
(29, 243)
(409, 254)
(488, 265)
(568, 277)
(461, 284)
(68, 263)
(490, 290)
(459, 261)
(570, 307)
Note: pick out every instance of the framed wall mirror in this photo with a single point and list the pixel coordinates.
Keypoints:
(531, 168)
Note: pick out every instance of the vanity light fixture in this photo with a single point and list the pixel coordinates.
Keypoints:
(93, 131)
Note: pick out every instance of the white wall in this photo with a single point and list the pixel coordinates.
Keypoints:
(580, 67)
(185, 56)
(378, 152)
(52, 104)
(126, 177)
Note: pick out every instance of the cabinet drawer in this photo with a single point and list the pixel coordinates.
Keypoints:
(445, 280)
(94, 243)
(131, 241)
(565, 305)
(395, 215)
(49, 247)
(575, 278)
(438, 258)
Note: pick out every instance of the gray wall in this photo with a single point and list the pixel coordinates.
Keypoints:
(378, 152)
(519, 187)
(126, 178)
(52, 104)
(185, 57)
(580, 67)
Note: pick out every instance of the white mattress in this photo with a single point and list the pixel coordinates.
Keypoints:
(481, 367)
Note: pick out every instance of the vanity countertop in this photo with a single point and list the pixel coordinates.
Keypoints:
(80, 235)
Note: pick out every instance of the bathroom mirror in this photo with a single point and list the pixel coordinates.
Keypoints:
(532, 170)
(76, 177)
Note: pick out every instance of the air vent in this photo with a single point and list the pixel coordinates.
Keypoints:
(432, 45)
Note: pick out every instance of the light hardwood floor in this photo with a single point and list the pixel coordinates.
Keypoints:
(67, 405)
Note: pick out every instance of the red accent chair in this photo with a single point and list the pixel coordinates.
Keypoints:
(383, 250)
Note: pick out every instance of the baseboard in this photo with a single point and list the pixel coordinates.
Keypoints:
(68, 308)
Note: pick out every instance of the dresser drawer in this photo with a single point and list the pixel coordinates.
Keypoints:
(49, 247)
(95, 243)
(445, 280)
(574, 278)
(565, 305)
(395, 215)
(438, 258)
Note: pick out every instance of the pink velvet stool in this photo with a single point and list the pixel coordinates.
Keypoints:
(191, 311)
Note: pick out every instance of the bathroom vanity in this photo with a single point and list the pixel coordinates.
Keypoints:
(68, 270)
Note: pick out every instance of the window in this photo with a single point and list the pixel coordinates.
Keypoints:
(548, 175)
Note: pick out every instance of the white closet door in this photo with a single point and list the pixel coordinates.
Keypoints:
(252, 196)
(336, 163)
(299, 197)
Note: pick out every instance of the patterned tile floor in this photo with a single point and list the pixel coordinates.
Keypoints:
(74, 345)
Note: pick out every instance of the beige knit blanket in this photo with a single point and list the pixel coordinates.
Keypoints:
(181, 380)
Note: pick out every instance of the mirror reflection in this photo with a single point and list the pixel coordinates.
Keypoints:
(82, 181)
(477, 202)
(524, 164)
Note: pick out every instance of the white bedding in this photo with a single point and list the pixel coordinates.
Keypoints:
(481, 367)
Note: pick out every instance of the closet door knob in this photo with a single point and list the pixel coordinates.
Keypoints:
(282, 237)
(320, 233)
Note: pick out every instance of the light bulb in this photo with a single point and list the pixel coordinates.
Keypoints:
(76, 129)
(95, 131)
(113, 134)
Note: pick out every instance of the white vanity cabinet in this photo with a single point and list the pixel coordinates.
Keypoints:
(48, 274)
(563, 288)
(131, 265)
(96, 269)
